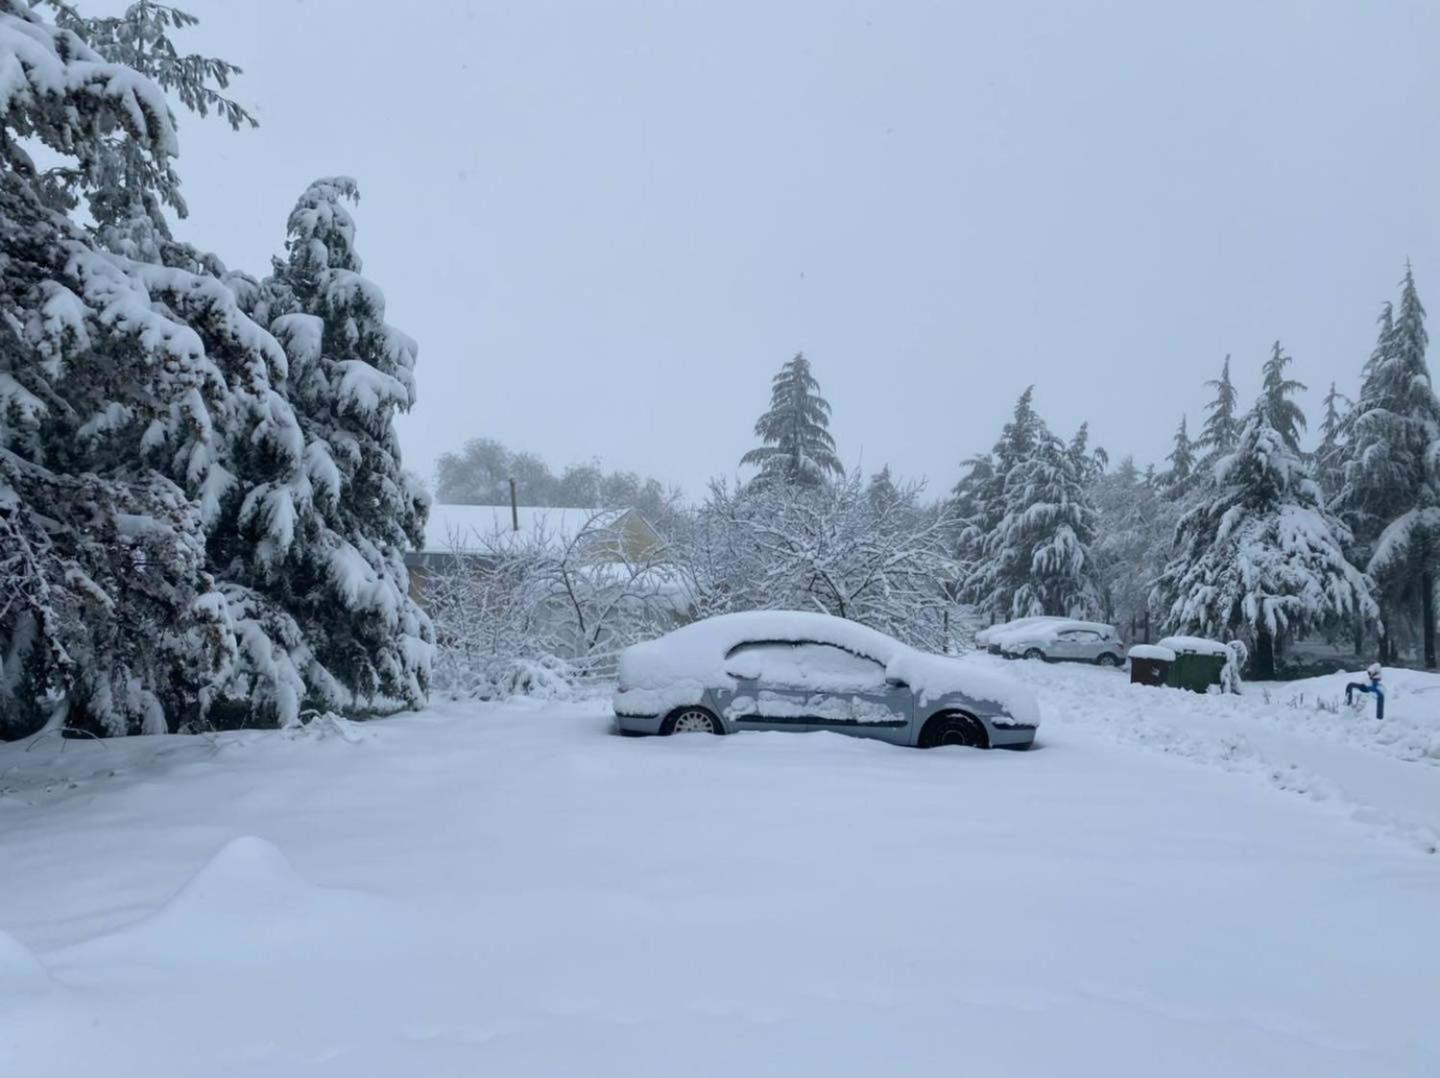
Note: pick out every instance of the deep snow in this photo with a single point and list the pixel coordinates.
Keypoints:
(511, 890)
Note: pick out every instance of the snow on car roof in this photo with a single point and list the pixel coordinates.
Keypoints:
(1194, 645)
(989, 634)
(1049, 629)
(696, 653)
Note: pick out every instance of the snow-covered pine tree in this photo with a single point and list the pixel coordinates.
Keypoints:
(797, 446)
(1134, 525)
(1089, 463)
(125, 191)
(1391, 486)
(979, 502)
(1222, 424)
(1180, 477)
(337, 568)
(108, 621)
(1036, 558)
(1329, 456)
(1261, 554)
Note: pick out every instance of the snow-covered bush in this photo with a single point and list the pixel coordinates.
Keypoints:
(871, 554)
(533, 616)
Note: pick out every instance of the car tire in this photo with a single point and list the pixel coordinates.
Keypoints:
(690, 720)
(1108, 659)
(953, 728)
(1035, 653)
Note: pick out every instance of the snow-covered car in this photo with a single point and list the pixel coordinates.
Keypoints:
(993, 638)
(786, 670)
(1067, 641)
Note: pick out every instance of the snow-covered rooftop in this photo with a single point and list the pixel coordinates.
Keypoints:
(477, 529)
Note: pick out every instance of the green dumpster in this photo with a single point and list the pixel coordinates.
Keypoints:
(1198, 662)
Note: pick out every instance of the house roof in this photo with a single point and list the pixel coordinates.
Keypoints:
(480, 529)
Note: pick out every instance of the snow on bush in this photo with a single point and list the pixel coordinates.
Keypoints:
(534, 615)
(875, 557)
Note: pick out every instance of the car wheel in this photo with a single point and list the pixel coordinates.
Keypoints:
(1034, 653)
(1108, 660)
(691, 720)
(953, 728)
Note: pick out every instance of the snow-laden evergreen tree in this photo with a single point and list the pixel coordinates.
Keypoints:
(1222, 423)
(1329, 456)
(125, 190)
(1261, 555)
(1134, 526)
(797, 446)
(978, 501)
(1391, 486)
(143, 415)
(1180, 477)
(1089, 463)
(108, 620)
(1036, 557)
(336, 566)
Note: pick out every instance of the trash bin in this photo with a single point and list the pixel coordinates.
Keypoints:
(1198, 662)
(1150, 664)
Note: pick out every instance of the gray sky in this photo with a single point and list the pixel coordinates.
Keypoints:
(609, 223)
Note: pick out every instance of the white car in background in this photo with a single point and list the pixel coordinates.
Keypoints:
(1067, 641)
(993, 639)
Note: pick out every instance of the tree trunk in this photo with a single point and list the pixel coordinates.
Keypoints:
(1427, 614)
(1262, 663)
(1359, 637)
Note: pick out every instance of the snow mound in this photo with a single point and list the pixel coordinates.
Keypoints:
(246, 903)
(249, 877)
(1152, 651)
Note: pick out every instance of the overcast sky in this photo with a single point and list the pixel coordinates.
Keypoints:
(608, 224)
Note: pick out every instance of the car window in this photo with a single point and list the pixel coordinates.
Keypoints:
(806, 666)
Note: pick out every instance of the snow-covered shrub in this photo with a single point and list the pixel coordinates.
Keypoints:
(874, 556)
(533, 616)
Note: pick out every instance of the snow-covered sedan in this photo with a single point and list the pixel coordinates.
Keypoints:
(1067, 641)
(786, 670)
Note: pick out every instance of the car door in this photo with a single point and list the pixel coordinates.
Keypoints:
(848, 693)
(1065, 645)
(1088, 645)
(767, 693)
(809, 686)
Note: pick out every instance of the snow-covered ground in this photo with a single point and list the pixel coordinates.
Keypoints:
(1167, 885)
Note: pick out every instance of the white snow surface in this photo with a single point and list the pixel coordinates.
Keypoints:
(1168, 884)
(1194, 645)
(675, 669)
(1152, 651)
